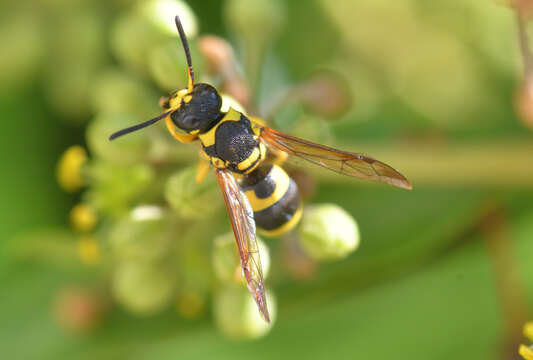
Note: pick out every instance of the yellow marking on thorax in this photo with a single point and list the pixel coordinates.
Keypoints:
(246, 163)
(282, 185)
(208, 138)
(257, 156)
(257, 121)
(219, 163)
(288, 226)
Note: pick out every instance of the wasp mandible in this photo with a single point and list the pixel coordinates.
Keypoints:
(256, 190)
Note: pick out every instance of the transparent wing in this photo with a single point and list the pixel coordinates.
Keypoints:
(242, 222)
(347, 163)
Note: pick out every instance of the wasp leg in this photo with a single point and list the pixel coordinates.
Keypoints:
(184, 138)
(203, 168)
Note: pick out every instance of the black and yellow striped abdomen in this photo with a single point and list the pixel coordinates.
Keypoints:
(274, 198)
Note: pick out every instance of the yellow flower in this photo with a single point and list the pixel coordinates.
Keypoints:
(83, 218)
(89, 250)
(528, 330)
(526, 352)
(69, 168)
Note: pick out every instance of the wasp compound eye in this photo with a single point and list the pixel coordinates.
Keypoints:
(201, 112)
(190, 122)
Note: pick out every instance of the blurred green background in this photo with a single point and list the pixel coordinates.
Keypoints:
(444, 271)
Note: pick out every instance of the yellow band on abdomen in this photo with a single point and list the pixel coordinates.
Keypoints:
(281, 180)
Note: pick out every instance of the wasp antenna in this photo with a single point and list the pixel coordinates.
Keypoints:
(138, 126)
(185, 44)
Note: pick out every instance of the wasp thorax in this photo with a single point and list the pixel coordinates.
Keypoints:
(198, 111)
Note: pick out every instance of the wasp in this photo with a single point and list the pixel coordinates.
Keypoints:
(243, 153)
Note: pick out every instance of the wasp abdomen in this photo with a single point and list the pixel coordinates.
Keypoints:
(274, 198)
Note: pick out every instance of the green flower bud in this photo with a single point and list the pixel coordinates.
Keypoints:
(189, 199)
(131, 37)
(119, 92)
(168, 65)
(255, 20)
(76, 58)
(129, 149)
(236, 314)
(161, 14)
(140, 237)
(227, 263)
(328, 232)
(21, 36)
(82, 41)
(115, 187)
(150, 24)
(142, 288)
(68, 92)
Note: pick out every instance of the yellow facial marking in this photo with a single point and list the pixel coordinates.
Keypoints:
(175, 100)
(282, 185)
(184, 138)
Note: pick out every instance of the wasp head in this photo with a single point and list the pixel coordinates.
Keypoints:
(194, 112)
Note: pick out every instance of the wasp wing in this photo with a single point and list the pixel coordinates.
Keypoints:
(343, 162)
(243, 224)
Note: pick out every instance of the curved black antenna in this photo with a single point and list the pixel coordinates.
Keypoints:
(139, 126)
(185, 44)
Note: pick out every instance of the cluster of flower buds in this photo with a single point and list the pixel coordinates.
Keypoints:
(142, 218)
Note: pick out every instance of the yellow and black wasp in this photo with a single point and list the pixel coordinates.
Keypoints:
(256, 190)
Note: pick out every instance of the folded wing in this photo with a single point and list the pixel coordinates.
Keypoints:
(242, 222)
(343, 162)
